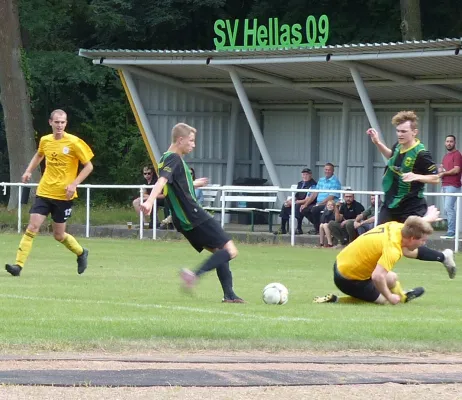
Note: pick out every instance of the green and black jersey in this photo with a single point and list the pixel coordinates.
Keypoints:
(415, 159)
(179, 192)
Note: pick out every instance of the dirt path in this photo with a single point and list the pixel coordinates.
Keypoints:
(236, 365)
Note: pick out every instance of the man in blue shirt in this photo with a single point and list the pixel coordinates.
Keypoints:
(314, 204)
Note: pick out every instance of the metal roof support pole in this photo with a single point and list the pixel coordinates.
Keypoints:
(313, 135)
(232, 142)
(367, 104)
(405, 80)
(245, 103)
(287, 83)
(427, 136)
(142, 114)
(255, 167)
(344, 141)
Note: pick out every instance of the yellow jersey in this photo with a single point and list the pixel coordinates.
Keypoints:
(62, 159)
(381, 245)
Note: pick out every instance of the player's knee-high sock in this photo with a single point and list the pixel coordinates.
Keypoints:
(426, 254)
(71, 243)
(397, 289)
(215, 260)
(25, 246)
(226, 279)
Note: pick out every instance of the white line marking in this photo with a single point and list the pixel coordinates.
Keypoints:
(392, 318)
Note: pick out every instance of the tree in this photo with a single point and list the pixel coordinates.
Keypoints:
(411, 23)
(14, 97)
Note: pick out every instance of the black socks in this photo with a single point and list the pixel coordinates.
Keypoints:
(217, 259)
(426, 254)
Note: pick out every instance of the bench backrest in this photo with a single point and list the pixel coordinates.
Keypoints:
(210, 193)
(250, 199)
(253, 195)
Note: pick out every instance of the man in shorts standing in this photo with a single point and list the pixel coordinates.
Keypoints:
(57, 188)
(201, 230)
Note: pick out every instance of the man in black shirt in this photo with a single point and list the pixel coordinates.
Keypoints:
(342, 228)
(198, 226)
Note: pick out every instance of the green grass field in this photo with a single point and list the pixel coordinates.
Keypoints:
(130, 298)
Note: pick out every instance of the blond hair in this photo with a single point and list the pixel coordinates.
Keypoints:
(404, 116)
(181, 130)
(58, 111)
(416, 227)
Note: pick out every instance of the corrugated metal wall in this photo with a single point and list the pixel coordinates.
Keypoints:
(287, 137)
(165, 106)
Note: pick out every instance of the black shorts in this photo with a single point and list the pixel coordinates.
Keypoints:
(400, 214)
(60, 210)
(208, 235)
(363, 290)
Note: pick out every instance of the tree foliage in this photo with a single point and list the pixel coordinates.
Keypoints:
(53, 31)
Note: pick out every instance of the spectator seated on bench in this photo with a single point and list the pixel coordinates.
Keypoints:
(306, 182)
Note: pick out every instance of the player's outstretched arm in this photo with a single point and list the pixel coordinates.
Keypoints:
(34, 162)
(432, 215)
(146, 207)
(374, 135)
(411, 177)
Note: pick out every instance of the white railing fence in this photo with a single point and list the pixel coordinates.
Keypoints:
(224, 190)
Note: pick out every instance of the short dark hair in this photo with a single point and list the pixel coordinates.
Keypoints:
(329, 164)
(452, 137)
(149, 166)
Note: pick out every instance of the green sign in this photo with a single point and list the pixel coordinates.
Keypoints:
(313, 33)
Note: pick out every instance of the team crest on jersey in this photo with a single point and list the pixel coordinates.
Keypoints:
(408, 161)
(66, 150)
(168, 169)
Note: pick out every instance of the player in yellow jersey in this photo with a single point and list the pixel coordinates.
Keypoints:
(363, 269)
(62, 152)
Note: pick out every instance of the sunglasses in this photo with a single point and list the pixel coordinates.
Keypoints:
(147, 173)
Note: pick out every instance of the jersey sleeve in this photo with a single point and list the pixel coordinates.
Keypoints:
(41, 147)
(424, 164)
(83, 151)
(168, 167)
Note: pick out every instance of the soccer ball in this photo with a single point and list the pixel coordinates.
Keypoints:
(275, 293)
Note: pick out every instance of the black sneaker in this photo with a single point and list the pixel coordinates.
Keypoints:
(328, 298)
(232, 299)
(82, 262)
(298, 232)
(14, 269)
(414, 293)
(280, 232)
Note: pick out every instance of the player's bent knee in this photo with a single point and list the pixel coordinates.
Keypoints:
(33, 227)
(392, 278)
(58, 236)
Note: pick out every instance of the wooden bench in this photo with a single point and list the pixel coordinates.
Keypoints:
(254, 194)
